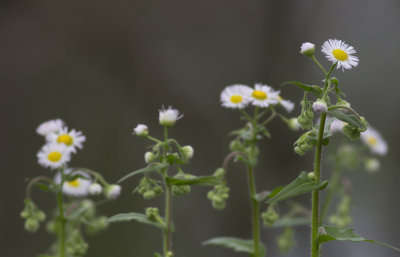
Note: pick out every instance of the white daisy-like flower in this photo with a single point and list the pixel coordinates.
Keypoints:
(263, 96)
(78, 187)
(374, 141)
(112, 191)
(288, 105)
(168, 117)
(95, 189)
(307, 49)
(236, 96)
(48, 127)
(72, 139)
(141, 130)
(337, 126)
(337, 51)
(54, 155)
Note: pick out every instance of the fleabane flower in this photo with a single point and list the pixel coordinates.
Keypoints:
(48, 127)
(54, 155)
(236, 96)
(168, 117)
(72, 139)
(263, 96)
(320, 106)
(374, 141)
(288, 105)
(141, 130)
(78, 187)
(337, 51)
(307, 49)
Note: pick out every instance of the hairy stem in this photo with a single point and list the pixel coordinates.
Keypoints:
(255, 211)
(315, 194)
(168, 218)
(61, 216)
(333, 183)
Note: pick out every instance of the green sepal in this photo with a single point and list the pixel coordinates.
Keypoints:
(200, 181)
(315, 90)
(237, 244)
(291, 222)
(139, 217)
(302, 184)
(150, 168)
(349, 118)
(332, 233)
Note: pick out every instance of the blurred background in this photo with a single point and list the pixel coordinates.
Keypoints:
(104, 66)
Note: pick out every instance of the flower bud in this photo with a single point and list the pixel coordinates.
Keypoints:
(41, 216)
(270, 216)
(95, 189)
(311, 175)
(149, 157)
(235, 145)
(372, 165)
(220, 173)
(168, 117)
(31, 225)
(293, 124)
(351, 131)
(149, 194)
(307, 49)
(141, 130)
(187, 152)
(112, 191)
(320, 106)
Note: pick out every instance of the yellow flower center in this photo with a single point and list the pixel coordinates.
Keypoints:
(74, 183)
(54, 156)
(66, 139)
(259, 95)
(340, 55)
(372, 141)
(280, 98)
(236, 99)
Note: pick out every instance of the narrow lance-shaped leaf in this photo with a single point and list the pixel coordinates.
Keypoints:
(139, 217)
(315, 90)
(332, 233)
(201, 181)
(302, 184)
(349, 118)
(237, 244)
(149, 168)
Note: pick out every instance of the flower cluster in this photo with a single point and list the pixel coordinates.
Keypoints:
(240, 96)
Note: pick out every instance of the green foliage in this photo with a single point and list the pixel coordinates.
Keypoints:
(333, 233)
(200, 181)
(149, 168)
(237, 244)
(139, 217)
(302, 184)
(349, 118)
(292, 221)
(315, 90)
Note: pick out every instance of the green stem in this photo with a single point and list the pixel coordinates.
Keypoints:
(168, 201)
(61, 216)
(255, 211)
(168, 217)
(319, 65)
(333, 183)
(315, 194)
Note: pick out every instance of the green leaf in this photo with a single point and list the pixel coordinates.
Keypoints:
(77, 213)
(237, 244)
(292, 221)
(45, 255)
(333, 233)
(201, 181)
(315, 90)
(44, 187)
(302, 184)
(149, 168)
(157, 255)
(349, 118)
(139, 217)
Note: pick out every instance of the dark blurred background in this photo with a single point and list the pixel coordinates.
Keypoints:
(104, 66)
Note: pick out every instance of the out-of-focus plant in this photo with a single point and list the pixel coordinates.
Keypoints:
(78, 212)
(166, 156)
